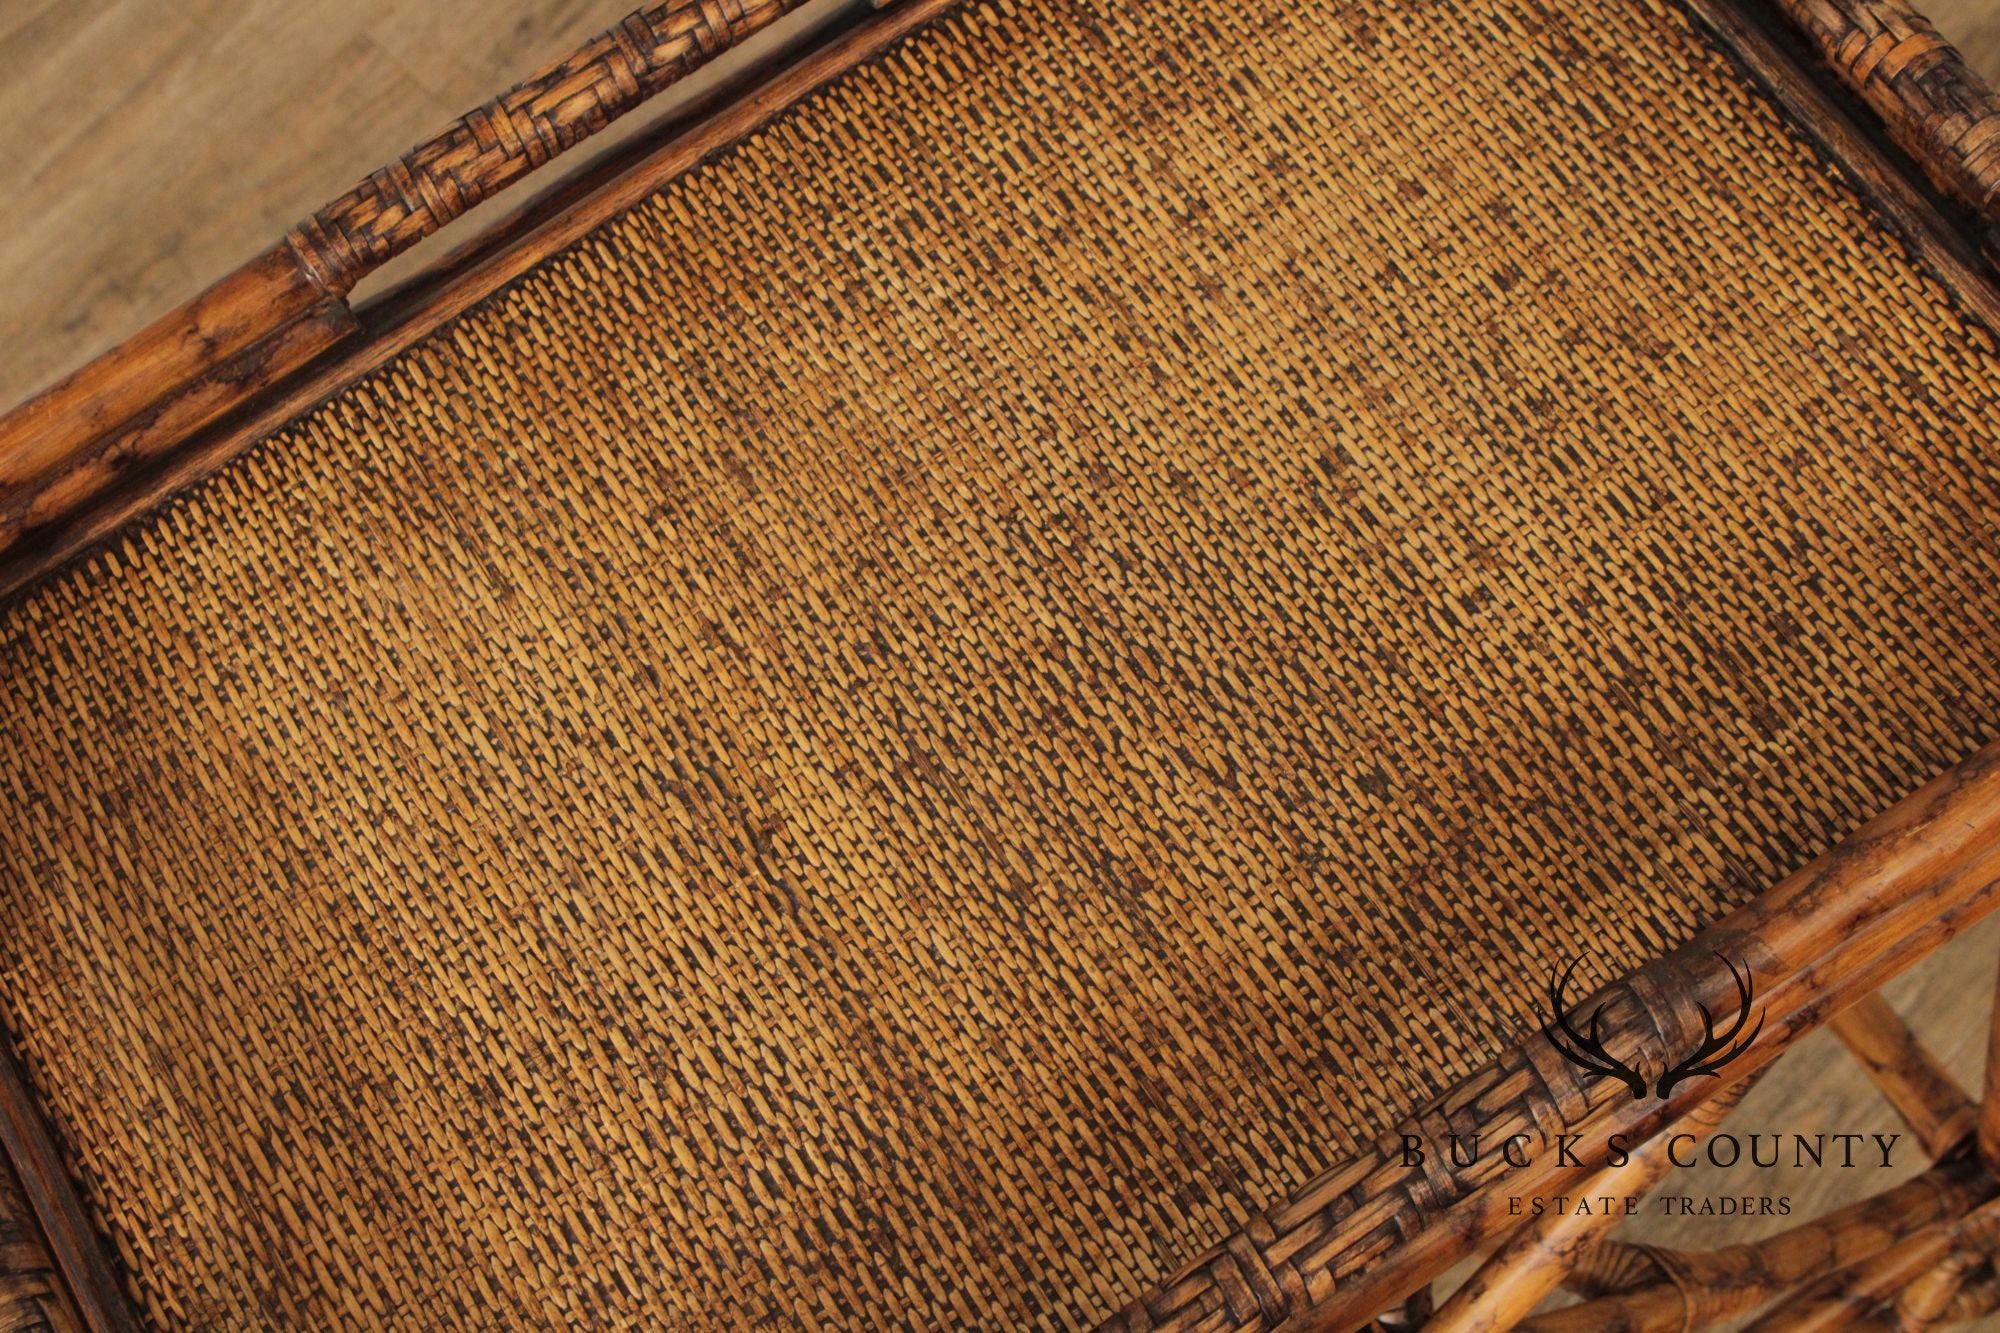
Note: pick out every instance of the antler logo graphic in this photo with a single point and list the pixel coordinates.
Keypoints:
(1587, 1052)
(1717, 1048)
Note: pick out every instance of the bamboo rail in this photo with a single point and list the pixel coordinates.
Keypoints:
(1692, 1290)
(1935, 1109)
(1946, 1294)
(1932, 103)
(94, 431)
(1840, 1298)
(1534, 1260)
(1363, 1236)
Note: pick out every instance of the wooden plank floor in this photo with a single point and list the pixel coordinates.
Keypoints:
(150, 145)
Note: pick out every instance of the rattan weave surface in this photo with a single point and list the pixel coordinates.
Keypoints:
(1001, 674)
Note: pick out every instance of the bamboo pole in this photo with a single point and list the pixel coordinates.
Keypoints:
(1712, 1286)
(1935, 1108)
(1989, 1107)
(1929, 1301)
(1534, 1260)
(1960, 1286)
(1839, 1299)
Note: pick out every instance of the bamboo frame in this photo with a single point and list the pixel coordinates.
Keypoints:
(1961, 1286)
(132, 409)
(1931, 102)
(194, 389)
(1362, 1237)
(1693, 1289)
(1534, 1260)
(1843, 1297)
(1937, 1112)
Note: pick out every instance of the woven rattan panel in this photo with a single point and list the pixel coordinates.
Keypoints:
(992, 680)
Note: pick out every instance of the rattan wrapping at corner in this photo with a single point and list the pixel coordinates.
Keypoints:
(1939, 109)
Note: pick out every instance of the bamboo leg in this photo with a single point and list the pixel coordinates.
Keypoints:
(1937, 1111)
(1846, 1296)
(1534, 1260)
(1719, 1284)
(1989, 1108)
(1960, 1286)
(1928, 1302)
(1976, 1301)
(1839, 1299)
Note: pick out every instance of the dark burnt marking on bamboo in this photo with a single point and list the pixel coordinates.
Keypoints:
(1933, 104)
(1818, 936)
(87, 436)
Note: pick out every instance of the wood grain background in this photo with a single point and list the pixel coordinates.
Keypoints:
(151, 145)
